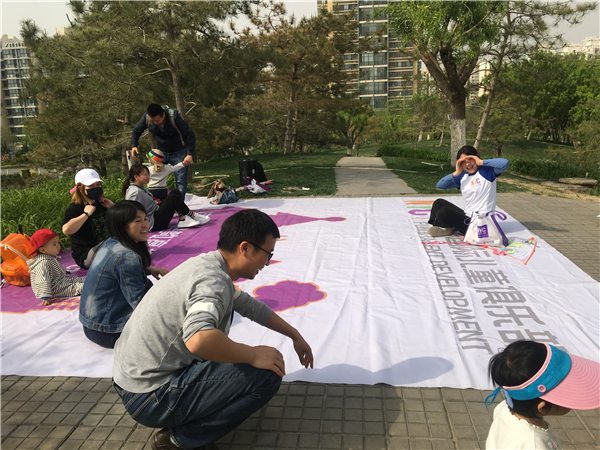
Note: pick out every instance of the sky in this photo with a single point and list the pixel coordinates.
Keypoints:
(51, 14)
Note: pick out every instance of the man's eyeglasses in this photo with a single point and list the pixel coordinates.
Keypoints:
(268, 253)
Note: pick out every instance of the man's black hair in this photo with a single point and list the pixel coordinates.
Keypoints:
(155, 110)
(250, 225)
(467, 150)
(117, 219)
(515, 365)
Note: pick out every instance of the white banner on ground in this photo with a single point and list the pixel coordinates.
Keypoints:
(375, 296)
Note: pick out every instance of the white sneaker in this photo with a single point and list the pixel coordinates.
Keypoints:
(201, 218)
(188, 222)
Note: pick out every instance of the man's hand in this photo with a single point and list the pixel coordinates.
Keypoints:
(157, 272)
(304, 351)
(268, 358)
(188, 160)
(134, 152)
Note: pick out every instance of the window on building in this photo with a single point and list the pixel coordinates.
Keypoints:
(380, 59)
(350, 57)
(380, 87)
(379, 102)
(366, 59)
(350, 66)
(367, 29)
(365, 14)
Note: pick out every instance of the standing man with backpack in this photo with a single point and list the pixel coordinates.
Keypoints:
(171, 134)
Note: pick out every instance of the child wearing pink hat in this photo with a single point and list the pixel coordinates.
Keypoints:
(48, 277)
(537, 380)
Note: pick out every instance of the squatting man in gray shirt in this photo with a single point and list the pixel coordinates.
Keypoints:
(175, 367)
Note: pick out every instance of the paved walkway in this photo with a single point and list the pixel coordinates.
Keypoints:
(361, 177)
(68, 413)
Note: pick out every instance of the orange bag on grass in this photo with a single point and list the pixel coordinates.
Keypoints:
(15, 250)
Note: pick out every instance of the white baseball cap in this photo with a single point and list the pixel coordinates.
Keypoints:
(87, 177)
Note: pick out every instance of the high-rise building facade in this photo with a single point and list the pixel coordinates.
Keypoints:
(15, 70)
(383, 74)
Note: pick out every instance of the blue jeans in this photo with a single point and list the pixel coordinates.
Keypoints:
(203, 402)
(181, 176)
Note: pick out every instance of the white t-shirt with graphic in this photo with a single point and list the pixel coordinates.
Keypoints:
(508, 432)
(478, 190)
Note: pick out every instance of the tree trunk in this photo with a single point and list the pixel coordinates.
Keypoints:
(126, 150)
(498, 149)
(442, 134)
(458, 132)
(492, 90)
(294, 131)
(287, 145)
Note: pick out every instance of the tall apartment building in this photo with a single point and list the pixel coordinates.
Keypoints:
(15, 70)
(383, 75)
(590, 46)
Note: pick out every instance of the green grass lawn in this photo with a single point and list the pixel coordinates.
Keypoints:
(290, 173)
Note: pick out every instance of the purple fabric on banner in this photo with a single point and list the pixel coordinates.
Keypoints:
(170, 248)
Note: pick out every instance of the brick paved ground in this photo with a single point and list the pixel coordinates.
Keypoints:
(69, 413)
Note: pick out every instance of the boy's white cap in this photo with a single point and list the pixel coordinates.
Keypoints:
(87, 177)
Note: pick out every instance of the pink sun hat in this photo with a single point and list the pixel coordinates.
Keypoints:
(566, 380)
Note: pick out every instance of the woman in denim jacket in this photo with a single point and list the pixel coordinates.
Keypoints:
(117, 279)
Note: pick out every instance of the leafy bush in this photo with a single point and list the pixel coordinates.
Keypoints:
(44, 206)
(547, 169)
(404, 152)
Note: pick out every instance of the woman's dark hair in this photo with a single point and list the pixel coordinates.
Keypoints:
(117, 218)
(250, 225)
(515, 365)
(467, 150)
(134, 170)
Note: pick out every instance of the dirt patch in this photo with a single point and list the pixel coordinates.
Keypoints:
(534, 188)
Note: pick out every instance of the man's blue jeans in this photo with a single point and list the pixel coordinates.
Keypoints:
(203, 402)
(181, 175)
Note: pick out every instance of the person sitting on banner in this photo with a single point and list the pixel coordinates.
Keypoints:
(537, 380)
(117, 279)
(159, 215)
(476, 178)
(175, 367)
(84, 218)
(48, 277)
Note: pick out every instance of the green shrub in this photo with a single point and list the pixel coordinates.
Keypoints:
(404, 152)
(547, 169)
(44, 206)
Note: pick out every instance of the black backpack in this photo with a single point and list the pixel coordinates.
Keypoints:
(251, 168)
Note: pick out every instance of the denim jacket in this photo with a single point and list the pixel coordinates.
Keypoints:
(113, 287)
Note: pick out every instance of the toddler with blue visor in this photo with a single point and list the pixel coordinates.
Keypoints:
(537, 380)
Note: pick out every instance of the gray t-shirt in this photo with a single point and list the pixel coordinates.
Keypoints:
(140, 194)
(196, 295)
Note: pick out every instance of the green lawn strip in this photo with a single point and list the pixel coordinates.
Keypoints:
(290, 173)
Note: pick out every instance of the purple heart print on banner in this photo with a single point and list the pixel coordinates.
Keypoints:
(288, 294)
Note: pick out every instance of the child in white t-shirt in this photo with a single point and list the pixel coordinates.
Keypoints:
(537, 380)
(159, 173)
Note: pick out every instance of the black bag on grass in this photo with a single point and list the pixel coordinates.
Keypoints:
(253, 169)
